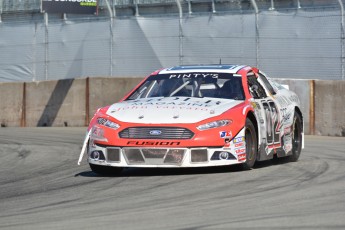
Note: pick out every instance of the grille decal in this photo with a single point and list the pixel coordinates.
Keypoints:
(156, 133)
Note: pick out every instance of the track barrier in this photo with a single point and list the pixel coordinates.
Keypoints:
(72, 102)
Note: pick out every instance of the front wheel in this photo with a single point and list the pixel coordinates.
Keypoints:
(296, 138)
(105, 170)
(251, 145)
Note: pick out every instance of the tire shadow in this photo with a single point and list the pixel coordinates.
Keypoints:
(145, 172)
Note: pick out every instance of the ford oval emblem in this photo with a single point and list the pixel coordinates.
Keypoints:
(155, 132)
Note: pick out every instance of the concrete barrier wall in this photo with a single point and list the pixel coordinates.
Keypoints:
(55, 103)
(72, 102)
(330, 108)
(11, 104)
(323, 105)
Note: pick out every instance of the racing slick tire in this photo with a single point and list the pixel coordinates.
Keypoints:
(105, 170)
(296, 138)
(251, 145)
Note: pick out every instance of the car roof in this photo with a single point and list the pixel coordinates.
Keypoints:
(203, 68)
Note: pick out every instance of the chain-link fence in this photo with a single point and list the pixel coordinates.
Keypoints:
(286, 38)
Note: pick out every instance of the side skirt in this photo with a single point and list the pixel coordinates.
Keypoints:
(262, 155)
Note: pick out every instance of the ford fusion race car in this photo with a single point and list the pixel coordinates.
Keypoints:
(197, 116)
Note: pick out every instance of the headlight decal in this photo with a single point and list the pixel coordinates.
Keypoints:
(214, 124)
(107, 123)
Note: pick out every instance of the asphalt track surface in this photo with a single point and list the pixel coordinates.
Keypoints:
(42, 187)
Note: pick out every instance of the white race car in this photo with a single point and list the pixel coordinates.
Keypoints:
(197, 116)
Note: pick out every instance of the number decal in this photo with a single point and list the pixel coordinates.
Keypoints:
(272, 122)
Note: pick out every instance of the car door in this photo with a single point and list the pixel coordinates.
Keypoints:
(267, 113)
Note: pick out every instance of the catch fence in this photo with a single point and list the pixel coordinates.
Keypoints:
(130, 38)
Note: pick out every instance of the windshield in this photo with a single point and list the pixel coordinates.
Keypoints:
(214, 85)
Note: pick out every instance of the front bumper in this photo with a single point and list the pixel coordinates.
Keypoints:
(168, 157)
(161, 157)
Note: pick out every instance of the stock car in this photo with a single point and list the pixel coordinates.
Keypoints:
(197, 116)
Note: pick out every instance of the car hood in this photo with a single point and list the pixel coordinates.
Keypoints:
(169, 110)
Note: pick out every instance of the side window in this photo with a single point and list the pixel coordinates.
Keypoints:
(267, 84)
(255, 88)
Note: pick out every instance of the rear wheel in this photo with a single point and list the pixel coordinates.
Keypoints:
(251, 145)
(296, 138)
(105, 170)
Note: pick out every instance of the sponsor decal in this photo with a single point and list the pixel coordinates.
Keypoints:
(144, 143)
(282, 100)
(239, 151)
(239, 145)
(287, 143)
(98, 132)
(70, 6)
(287, 130)
(225, 134)
(287, 148)
(294, 98)
(241, 157)
(173, 102)
(238, 139)
(167, 103)
(194, 75)
(285, 115)
(161, 107)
